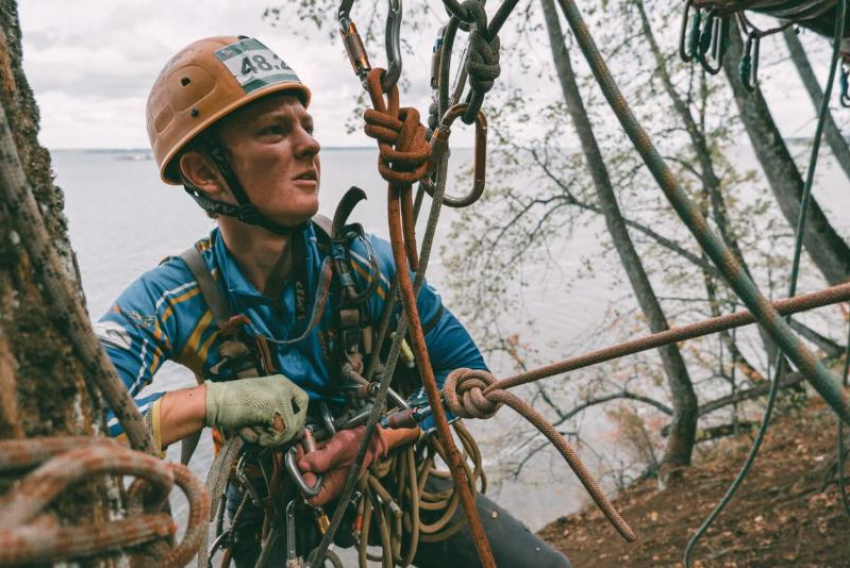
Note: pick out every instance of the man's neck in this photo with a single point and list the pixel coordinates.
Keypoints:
(264, 258)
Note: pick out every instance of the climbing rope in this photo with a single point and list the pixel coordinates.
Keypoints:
(792, 290)
(28, 534)
(464, 391)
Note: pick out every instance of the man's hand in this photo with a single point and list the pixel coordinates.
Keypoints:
(256, 407)
(335, 459)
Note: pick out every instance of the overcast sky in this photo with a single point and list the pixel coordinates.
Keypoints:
(92, 63)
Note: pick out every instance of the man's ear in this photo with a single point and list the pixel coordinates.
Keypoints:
(198, 169)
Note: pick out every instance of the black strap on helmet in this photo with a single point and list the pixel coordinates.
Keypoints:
(245, 211)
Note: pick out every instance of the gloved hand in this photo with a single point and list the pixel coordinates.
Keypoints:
(335, 459)
(256, 407)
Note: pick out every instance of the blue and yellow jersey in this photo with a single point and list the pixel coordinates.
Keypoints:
(163, 316)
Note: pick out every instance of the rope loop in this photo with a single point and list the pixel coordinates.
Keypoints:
(30, 535)
(483, 62)
(402, 141)
(463, 391)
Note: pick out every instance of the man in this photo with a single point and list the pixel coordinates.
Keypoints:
(247, 308)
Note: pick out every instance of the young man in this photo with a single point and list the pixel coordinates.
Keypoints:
(247, 308)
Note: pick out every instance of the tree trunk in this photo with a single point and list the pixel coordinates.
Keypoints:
(826, 248)
(44, 390)
(711, 185)
(831, 132)
(685, 405)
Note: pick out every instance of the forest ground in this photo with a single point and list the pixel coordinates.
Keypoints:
(781, 516)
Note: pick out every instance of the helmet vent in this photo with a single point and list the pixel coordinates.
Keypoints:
(185, 81)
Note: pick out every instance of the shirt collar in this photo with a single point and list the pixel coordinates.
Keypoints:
(234, 280)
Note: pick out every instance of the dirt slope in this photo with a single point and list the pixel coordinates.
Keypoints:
(780, 517)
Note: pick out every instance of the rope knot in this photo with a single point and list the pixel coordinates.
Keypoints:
(483, 65)
(463, 391)
(402, 141)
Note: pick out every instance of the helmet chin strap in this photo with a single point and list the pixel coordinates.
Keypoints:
(245, 211)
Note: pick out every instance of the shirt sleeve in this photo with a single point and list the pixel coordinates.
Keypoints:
(136, 335)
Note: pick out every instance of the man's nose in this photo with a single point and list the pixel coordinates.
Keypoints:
(307, 144)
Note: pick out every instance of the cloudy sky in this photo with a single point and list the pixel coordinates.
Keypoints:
(92, 62)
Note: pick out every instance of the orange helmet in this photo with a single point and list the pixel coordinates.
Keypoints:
(206, 81)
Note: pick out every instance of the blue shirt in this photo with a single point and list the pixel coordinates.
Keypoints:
(163, 316)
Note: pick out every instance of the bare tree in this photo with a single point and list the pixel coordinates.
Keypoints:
(680, 443)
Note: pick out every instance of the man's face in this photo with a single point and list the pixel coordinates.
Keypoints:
(275, 157)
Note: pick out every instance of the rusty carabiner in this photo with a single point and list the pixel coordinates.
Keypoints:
(440, 145)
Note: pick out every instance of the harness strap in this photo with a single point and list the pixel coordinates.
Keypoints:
(213, 296)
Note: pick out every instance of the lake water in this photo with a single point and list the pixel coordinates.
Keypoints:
(123, 221)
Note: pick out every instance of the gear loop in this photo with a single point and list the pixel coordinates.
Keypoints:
(463, 391)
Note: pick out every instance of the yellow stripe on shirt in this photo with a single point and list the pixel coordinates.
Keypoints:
(190, 356)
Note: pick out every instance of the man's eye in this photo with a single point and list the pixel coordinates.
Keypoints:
(276, 129)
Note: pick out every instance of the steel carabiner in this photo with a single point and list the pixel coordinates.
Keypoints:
(356, 51)
(440, 146)
(844, 81)
(392, 41)
(308, 445)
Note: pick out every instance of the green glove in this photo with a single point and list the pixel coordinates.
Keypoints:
(251, 406)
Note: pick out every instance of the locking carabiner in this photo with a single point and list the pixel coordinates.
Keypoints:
(356, 51)
(440, 145)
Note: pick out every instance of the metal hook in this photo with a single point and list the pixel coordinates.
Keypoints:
(356, 51)
(685, 53)
(440, 145)
(393, 45)
(298, 478)
(844, 81)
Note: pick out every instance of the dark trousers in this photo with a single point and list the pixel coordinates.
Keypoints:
(513, 545)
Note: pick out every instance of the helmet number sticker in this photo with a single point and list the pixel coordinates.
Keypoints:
(254, 65)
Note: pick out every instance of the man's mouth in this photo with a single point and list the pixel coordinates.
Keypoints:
(309, 175)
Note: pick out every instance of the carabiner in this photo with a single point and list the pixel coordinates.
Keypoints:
(748, 68)
(356, 51)
(713, 42)
(684, 52)
(393, 45)
(440, 145)
(308, 445)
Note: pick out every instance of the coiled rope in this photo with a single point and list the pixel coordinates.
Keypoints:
(29, 534)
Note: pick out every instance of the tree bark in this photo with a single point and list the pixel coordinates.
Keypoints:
(685, 406)
(826, 248)
(44, 390)
(831, 132)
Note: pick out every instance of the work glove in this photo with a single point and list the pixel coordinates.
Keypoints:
(335, 458)
(269, 411)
